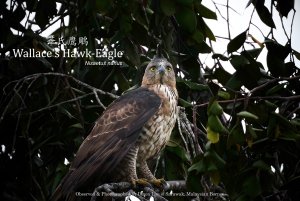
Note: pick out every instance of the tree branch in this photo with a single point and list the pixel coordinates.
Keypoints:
(60, 103)
(253, 98)
(115, 190)
(37, 75)
(18, 84)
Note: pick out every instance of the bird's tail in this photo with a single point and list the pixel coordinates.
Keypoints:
(62, 193)
(57, 195)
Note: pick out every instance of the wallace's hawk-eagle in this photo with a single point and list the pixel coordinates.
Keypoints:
(131, 131)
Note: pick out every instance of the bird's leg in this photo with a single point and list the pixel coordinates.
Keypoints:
(129, 172)
(146, 175)
(143, 170)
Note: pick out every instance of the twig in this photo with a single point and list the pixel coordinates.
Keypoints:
(227, 13)
(37, 75)
(98, 99)
(272, 81)
(285, 33)
(254, 97)
(261, 97)
(63, 102)
(18, 85)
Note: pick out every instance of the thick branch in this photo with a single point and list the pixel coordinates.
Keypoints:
(114, 190)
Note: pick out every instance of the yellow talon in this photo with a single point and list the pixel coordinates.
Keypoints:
(141, 182)
(158, 182)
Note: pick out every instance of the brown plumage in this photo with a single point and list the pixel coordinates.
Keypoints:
(131, 131)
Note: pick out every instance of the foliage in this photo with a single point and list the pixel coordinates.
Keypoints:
(49, 104)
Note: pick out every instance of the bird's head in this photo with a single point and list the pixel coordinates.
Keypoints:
(159, 71)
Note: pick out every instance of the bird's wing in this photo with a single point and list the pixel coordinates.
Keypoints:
(113, 135)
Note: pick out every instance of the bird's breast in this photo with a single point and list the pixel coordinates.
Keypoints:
(157, 131)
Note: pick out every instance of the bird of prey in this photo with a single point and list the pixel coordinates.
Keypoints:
(130, 132)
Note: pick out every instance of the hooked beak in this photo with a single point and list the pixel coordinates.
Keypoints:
(161, 70)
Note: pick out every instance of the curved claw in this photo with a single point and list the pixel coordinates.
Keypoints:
(158, 183)
(140, 182)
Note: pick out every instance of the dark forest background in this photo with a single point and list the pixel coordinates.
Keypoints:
(237, 133)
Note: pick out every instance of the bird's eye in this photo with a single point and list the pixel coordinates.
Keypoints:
(169, 68)
(152, 68)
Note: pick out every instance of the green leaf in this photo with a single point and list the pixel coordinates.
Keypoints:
(45, 10)
(204, 48)
(200, 166)
(238, 61)
(264, 13)
(275, 65)
(211, 166)
(78, 125)
(212, 136)
(234, 83)
(125, 23)
(221, 75)
(254, 52)
(215, 124)
(275, 89)
(271, 126)
(247, 114)
(168, 7)
(185, 103)
(103, 6)
(285, 6)
(215, 109)
(244, 197)
(216, 159)
(215, 177)
(187, 19)
(193, 85)
(248, 73)
(185, 2)
(270, 105)
(198, 36)
(295, 122)
(179, 152)
(236, 136)
(224, 94)
(260, 164)
(237, 42)
(276, 56)
(30, 5)
(193, 181)
(297, 54)
(18, 14)
(205, 12)
(121, 81)
(131, 52)
(202, 26)
(251, 186)
(220, 56)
